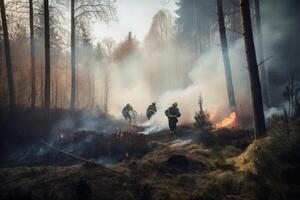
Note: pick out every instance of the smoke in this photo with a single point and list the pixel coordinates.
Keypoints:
(164, 74)
(270, 112)
(87, 122)
(131, 84)
(281, 27)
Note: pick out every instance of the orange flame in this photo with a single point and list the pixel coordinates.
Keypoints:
(213, 114)
(227, 122)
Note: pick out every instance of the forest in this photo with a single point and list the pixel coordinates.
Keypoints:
(156, 99)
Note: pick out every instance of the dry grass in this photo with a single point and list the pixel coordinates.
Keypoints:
(172, 170)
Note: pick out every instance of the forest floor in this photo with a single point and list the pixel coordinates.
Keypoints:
(160, 166)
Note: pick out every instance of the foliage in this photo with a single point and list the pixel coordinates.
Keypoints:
(291, 95)
(161, 31)
(126, 48)
(275, 162)
(193, 22)
(203, 124)
(269, 169)
(202, 121)
(230, 186)
(190, 171)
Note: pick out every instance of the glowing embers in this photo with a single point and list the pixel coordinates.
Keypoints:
(228, 122)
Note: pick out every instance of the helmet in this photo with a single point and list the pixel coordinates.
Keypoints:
(175, 104)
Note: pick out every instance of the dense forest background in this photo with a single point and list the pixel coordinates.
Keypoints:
(231, 65)
(179, 58)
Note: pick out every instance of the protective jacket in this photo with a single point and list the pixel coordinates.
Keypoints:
(126, 112)
(172, 113)
(151, 110)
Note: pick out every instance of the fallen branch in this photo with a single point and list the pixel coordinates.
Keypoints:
(81, 159)
(265, 60)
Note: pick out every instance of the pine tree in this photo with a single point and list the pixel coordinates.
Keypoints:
(257, 103)
(194, 21)
(9, 67)
(226, 59)
(47, 90)
(202, 122)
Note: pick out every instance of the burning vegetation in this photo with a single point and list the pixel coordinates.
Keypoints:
(228, 122)
(83, 116)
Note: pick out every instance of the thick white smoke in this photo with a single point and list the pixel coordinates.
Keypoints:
(131, 84)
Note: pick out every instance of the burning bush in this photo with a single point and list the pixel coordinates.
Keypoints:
(228, 122)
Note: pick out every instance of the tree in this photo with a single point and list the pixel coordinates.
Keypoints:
(258, 110)
(73, 62)
(10, 76)
(195, 18)
(161, 30)
(203, 124)
(125, 48)
(32, 53)
(291, 95)
(202, 121)
(47, 90)
(261, 53)
(1, 45)
(85, 10)
(108, 49)
(55, 47)
(85, 60)
(226, 60)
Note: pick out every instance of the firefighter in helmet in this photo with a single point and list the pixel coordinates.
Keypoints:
(151, 110)
(126, 112)
(173, 114)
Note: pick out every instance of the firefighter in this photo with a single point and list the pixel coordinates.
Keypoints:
(126, 112)
(151, 110)
(133, 115)
(173, 113)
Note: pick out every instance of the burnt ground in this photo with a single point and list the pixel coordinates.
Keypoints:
(156, 166)
(226, 165)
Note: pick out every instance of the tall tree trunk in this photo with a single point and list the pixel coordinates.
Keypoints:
(32, 48)
(197, 32)
(260, 51)
(47, 91)
(42, 87)
(93, 91)
(73, 61)
(226, 60)
(56, 89)
(89, 90)
(10, 76)
(258, 110)
(107, 87)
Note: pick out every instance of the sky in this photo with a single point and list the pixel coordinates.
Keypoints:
(133, 15)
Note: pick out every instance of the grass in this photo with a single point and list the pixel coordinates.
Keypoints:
(267, 168)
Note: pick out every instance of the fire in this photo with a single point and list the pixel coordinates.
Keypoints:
(213, 114)
(227, 122)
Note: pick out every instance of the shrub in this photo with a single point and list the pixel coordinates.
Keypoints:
(203, 125)
(202, 122)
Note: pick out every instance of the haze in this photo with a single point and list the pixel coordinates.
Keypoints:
(133, 15)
